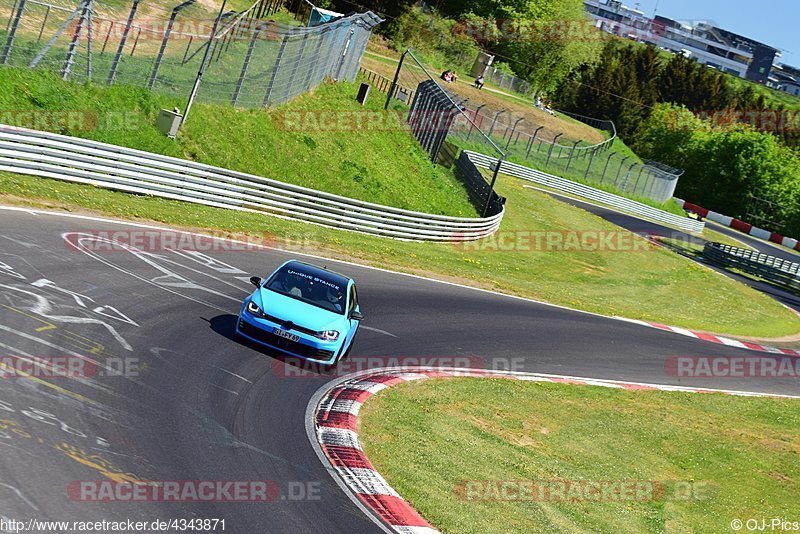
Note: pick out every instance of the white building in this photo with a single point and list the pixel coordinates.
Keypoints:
(708, 44)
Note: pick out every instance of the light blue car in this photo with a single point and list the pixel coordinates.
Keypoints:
(302, 310)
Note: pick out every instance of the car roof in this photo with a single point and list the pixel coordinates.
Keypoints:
(318, 272)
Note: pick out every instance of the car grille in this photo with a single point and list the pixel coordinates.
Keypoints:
(294, 347)
(285, 324)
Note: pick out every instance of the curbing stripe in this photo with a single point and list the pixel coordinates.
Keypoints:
(715, 339)
(344, 453)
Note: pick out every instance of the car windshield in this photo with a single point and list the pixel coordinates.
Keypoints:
(311, 285)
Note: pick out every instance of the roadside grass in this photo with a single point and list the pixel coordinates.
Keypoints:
(427, 438)
(496, 101)
(649, 283)
(381, 165)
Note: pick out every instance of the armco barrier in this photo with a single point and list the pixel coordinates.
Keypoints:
(771, 268)
(741, 226)
(113, 167)
(575, 188)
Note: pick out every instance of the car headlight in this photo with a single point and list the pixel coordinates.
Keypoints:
(327, 335)
(253, 308)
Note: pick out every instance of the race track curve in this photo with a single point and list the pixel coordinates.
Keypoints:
(197, 404)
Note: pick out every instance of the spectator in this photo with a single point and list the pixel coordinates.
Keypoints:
(479, 82)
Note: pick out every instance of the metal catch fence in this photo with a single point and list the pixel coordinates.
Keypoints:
(250, 59)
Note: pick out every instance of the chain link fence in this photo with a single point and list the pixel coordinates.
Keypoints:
(436, 118)
(514, 136)
(508, 82)
(251, 60)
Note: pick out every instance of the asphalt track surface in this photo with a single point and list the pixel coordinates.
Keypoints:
(202, 405)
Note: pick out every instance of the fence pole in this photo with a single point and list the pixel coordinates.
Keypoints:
(627, 177)
(603, 176)
(298, 59)
(589, 166)
(90, 9)
(491, 185)
(552, 146)
(572, 153)
(313, 68)
(123, 39)
(13, 32)
(472, 123)
(533, 140)
(621, 163)
(243, 74)
(44, 22)
(105, 41)
(136, 41)
(69, 60)
(275, 70)
(203, 63)
(345, 50)
(513, 129)
(11, 16)
(393, 88)
(164, 41)
(638, 178)
(494, 123)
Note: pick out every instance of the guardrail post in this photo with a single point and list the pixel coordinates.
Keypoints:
(115, 64)
(13, 32)
(572, 152)
(491, 185)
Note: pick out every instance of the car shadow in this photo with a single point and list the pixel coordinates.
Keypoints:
(225, 325)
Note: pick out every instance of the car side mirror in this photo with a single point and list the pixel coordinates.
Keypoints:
(357, 315)
(256, 281)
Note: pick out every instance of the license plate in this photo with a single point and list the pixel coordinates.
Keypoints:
(286, 335)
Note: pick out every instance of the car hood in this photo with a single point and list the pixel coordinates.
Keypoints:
(300, 313)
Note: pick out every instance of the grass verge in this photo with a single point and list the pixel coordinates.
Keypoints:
(641, 282)
(394, 170)
(738, 454)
